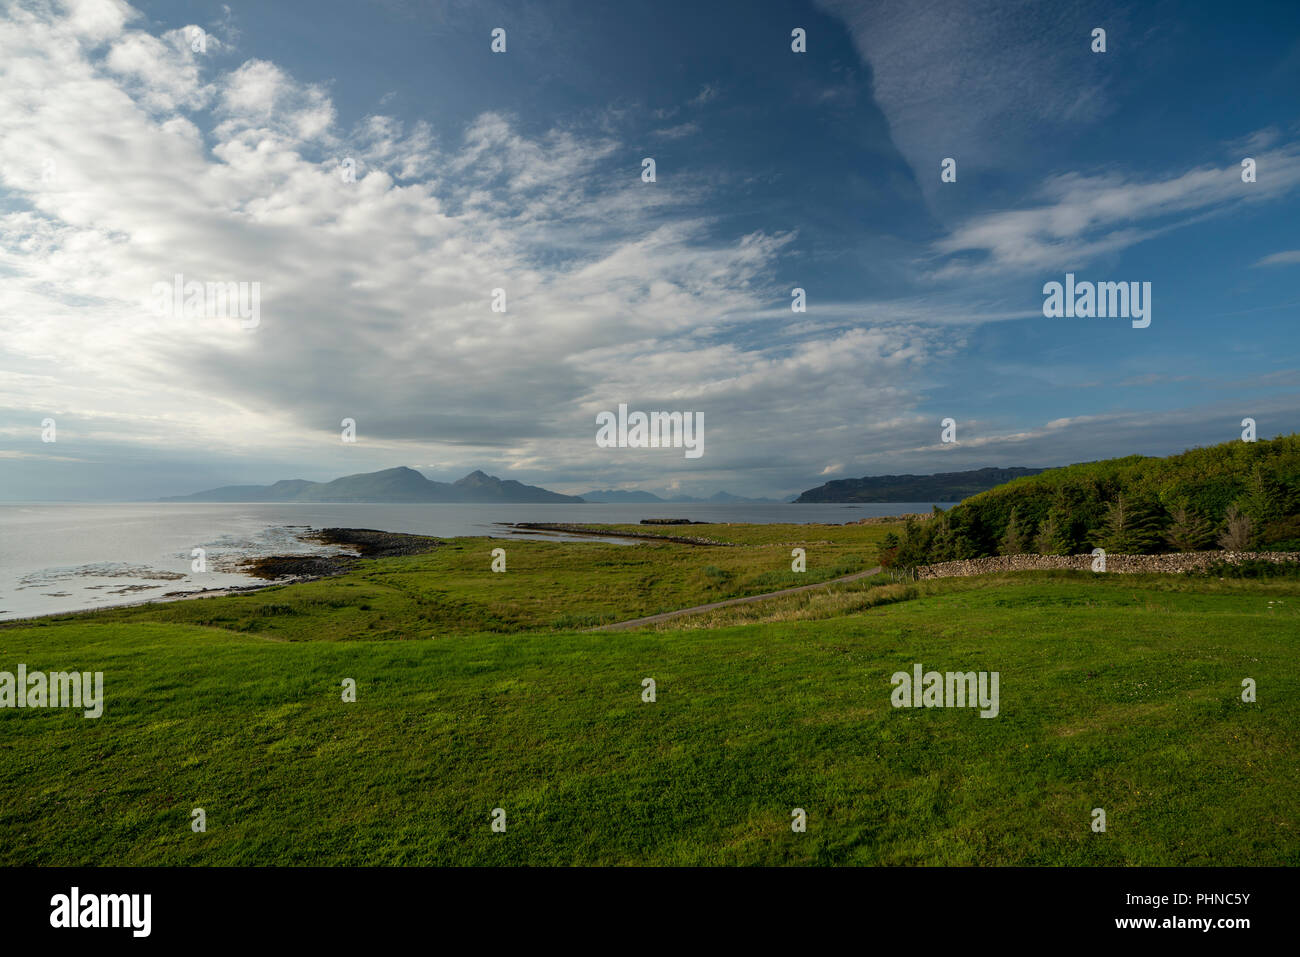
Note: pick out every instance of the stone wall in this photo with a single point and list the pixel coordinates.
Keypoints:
(1120, 564)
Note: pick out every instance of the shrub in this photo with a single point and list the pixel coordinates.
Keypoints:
(1251, 569)
(1282, 535)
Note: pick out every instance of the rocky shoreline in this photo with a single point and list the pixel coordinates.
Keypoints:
(891, 519)
(286, 569)
(365, 542)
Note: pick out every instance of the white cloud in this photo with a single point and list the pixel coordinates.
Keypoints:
(15, 454)
(96, 20)
(677, 132)
(1080, 217)
(164, 69)
(1288, 257)
(260, 95)
(707, 94)
(975, 80)
(375, 294)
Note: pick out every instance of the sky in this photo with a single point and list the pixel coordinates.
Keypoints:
(214, 141)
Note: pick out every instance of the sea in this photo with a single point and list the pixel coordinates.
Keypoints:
(57, 558)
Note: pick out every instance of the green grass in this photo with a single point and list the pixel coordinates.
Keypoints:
(1116, 692)
(570, 585)
(789, 536)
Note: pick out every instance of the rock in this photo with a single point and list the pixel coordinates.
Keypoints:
(1115, 564)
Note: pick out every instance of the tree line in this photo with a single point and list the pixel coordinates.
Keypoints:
(1239, 496)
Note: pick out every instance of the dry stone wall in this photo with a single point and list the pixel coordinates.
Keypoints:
(1115, 564)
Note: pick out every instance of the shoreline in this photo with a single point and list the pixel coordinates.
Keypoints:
(363, 543)
(167, 597)
(277, 570)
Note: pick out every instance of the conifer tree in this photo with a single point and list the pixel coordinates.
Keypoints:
(1188, 532)
(1259, 503)
(1051, 538)
(1016, 539)
(1131, 527)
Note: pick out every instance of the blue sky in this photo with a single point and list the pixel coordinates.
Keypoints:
(127, 157)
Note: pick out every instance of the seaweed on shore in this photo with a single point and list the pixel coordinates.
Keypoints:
(372, 543)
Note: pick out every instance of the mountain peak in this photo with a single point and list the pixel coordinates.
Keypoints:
(400, 484)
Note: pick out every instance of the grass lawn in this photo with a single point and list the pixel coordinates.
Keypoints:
(476, 691)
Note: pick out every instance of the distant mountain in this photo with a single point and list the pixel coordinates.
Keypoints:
(285, 490)
(726, 498)
(390, 485)
(941, 487)
(480, 487)
(637, 497)
(620, 496)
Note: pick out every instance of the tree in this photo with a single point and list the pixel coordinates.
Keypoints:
(944, 545)
(1052, 539)
(1237, 531)
(914, 548)
(1131, 527)
(1260, 501)
(1015, 540)
(889, 550)
(1188, 532)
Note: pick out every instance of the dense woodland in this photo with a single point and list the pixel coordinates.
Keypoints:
(1239, 496)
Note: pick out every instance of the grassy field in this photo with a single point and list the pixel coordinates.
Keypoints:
(478, 690)
(573, 585)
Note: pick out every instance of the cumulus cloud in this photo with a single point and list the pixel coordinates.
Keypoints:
(376, 294)
(126, 158)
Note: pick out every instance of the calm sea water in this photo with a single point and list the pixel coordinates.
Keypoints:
(59, 558)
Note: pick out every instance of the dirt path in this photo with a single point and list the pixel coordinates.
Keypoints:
(664, 616)
(593, 531)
